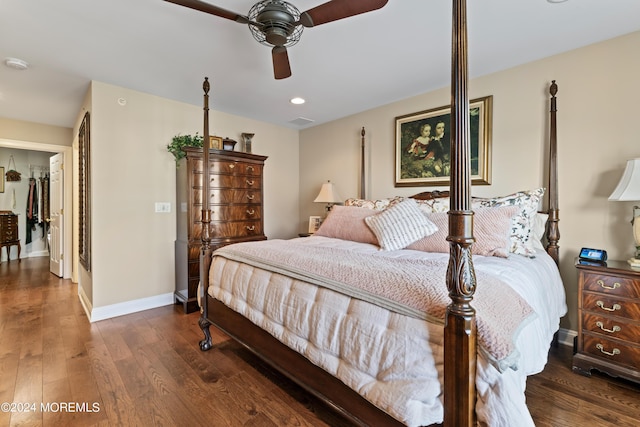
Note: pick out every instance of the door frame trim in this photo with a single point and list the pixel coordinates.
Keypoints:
(70, 268)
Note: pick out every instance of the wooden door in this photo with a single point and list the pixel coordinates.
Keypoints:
(56, 222)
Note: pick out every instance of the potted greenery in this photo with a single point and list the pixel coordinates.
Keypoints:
(179, 141)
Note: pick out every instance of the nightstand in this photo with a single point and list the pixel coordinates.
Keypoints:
(609, 320)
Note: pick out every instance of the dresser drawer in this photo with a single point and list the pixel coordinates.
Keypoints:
(231, 229)
(611, 327)
(229, 167)
(612, 285)
(219, 196)
(611, 306)
(230, 213)
(620, 353)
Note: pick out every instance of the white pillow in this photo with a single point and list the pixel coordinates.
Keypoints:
(400, 225)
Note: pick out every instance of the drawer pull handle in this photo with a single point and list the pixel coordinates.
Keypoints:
(614, 308)
(250, 182)
(603, 351)
(251, 212)
(231, 166)
(616, 285)
(213, 179)
(250, 168)
(615, 328)
(250, 196)
(251, 228)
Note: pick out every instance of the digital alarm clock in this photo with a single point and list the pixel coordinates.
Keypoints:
(597, 255)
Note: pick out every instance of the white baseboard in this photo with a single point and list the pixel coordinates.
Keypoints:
(86, 304)
(566, 336)
(37, 254)
(128, 307)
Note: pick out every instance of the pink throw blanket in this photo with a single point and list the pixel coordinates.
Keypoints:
(411, 287)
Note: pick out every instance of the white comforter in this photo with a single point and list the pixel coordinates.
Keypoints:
(393, 360)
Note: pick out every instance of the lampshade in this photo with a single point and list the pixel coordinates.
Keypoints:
(328, 194)
(628, 188)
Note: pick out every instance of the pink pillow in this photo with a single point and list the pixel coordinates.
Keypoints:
(491, 229)
(347, 223)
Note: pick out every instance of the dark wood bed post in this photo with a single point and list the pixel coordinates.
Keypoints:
(460, 321)
(363, 193)
(553, 233)
(205, 250)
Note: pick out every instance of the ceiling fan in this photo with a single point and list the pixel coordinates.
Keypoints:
(279, 24)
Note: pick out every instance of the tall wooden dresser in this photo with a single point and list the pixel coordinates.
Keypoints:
(9, 232)
(236, 196)
(609, 320)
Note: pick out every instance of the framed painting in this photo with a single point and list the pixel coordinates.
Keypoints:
(215, 142)
(423, 145)
(1, 179)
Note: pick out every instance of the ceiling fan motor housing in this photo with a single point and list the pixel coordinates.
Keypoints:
(277, 21)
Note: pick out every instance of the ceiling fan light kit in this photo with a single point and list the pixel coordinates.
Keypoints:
(280, 24)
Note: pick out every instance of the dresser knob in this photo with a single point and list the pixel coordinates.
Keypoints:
(614, 308)
(251, 212)
(251, 228)
(231, 166)
(250, 182)
(615, 328)
(250, 196)
(250, 168)
(603, 351)
(616, 285)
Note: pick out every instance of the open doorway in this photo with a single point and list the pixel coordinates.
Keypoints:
(44, 151)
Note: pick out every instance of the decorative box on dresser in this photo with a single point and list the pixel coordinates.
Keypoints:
(9, 232)
(236, 197)
(609, 320)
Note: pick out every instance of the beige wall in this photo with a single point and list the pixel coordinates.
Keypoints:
(133, 247)
(34, 132)
(597, 133)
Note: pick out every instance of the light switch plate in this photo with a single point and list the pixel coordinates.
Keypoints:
(163, 207)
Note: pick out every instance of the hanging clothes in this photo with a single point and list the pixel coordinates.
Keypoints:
(44, 204)
(32, 209)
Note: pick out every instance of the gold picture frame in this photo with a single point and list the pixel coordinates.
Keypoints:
(1, 179)
(422, 155)
(215, 142)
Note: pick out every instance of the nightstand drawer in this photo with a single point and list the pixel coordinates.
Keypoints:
(611, 306)
(612, 350)
(611, 327)
(612, 285)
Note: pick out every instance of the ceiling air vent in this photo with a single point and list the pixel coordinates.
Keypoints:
(301, 121)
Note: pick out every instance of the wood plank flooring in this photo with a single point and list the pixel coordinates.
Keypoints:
(146, 369)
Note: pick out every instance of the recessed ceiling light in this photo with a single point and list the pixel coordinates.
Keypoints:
(16, 64)
(297, 100)
(556, 1)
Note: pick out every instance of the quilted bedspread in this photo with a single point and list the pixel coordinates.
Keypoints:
(369, 321)
(414, 287)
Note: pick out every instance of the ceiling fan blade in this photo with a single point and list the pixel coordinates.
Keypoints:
(281, 67)
(213, 10)
(338, 9)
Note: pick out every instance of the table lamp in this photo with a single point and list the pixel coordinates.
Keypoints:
(628, 189)
(329, 195)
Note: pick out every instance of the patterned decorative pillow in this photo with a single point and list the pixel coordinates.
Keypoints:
(427, 206)
(347, 223)
(491, 228)
(522, 223)
(379, 204)
(400, 225)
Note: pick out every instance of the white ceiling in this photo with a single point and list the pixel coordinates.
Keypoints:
(341, 68)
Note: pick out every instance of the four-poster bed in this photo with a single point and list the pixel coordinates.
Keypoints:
(462, 350)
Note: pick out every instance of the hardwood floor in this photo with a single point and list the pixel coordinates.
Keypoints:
(146, 369)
